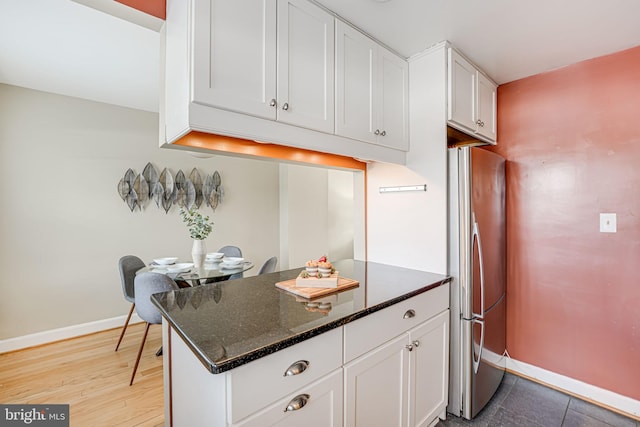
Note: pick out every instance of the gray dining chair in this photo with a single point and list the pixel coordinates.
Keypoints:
(232, 251)
(128, 265)
(269, 266)
(147, 284)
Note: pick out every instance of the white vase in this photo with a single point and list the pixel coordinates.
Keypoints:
(198, 253)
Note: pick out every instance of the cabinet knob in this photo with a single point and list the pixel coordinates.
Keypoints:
(296, 368)
(377, 132)
(409, 347)
(297, 402)
(416, 343)
(285, 106)
(480, 123)
(383, 133)
(409, 314)
(272, 103)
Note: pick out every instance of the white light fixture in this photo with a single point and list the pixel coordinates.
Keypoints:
(403, 188)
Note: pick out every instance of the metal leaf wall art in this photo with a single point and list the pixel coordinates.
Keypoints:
(165, 190)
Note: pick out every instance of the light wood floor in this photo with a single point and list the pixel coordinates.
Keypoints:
(87, 374)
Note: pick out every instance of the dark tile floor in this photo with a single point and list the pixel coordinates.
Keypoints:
(519, 402)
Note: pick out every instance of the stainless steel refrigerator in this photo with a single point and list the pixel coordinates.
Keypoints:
(477, 263)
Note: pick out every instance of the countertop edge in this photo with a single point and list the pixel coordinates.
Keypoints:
(288, 342)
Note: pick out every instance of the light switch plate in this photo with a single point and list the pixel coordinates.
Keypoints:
(608, 223)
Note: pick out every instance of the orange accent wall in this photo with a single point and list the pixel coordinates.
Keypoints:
(155, 8)
(245, 147)
(571, 138)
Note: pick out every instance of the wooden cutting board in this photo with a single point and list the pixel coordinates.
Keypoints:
(290, 286)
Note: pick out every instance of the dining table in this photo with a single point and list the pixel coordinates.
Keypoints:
(186, 274)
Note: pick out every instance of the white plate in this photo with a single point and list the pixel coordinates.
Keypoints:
(232, 260)
(231, 266)
(165, 261)
(214, 255)
(180, 268)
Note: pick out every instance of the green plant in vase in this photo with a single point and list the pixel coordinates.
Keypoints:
(199, 229)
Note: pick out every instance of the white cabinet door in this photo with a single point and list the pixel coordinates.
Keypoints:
(472, 99)
(429, 381)
(393, 100)
(462, 91)
(356, 65)
(317, 405)
(305, 75)
(375, 386)
(371, 91)
(487, 107)
(235, 55)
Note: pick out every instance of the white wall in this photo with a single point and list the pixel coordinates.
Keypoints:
(410, 229)
(63, 225)
(318, 214)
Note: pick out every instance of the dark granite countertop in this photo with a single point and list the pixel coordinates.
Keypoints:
(230, 323)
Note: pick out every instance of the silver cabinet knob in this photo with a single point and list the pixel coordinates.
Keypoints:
(285, 106)
(409, 347)
(416, 343)
(272, 103)
(296, 368)
(377, 132)
(409, 314)
(297, 402)
(383, 133)
(480, 123)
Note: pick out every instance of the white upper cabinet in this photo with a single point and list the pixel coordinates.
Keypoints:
(371, 91)
(249, 64)
(472, 99)
(264, 70)
(235, 55)
(305, 65)
(394, 101)
(487, 107)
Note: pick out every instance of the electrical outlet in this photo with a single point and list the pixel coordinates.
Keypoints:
(608, 223)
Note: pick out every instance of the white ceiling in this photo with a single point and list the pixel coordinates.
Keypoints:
(64, 47)
(508, 39)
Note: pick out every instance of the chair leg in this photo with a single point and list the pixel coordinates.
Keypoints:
(144, 338)
(124, 328)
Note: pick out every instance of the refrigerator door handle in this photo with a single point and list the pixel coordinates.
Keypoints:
(476, 363)
(476, 238)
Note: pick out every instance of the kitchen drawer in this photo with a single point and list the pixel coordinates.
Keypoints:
(322, 406)
(375, 329)
(257, 384)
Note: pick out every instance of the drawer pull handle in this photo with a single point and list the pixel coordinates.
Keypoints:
(296, 368)
(409, 314)
(297, 402)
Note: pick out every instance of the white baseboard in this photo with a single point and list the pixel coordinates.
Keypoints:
(52, 335)
(586, 391)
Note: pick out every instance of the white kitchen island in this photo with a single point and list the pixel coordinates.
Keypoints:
(245, 353)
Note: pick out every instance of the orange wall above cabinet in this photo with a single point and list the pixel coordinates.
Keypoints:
(155, 8)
